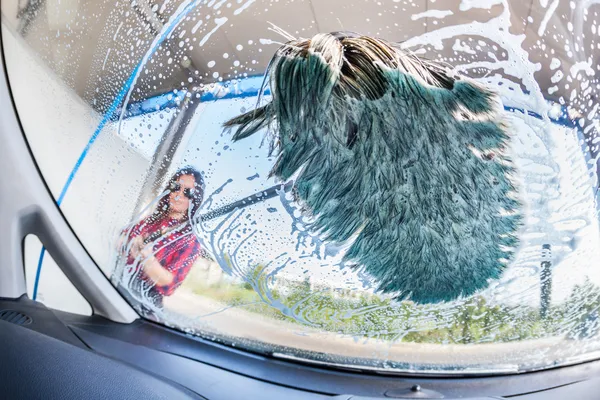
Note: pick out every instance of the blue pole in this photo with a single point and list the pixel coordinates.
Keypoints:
(107, 116)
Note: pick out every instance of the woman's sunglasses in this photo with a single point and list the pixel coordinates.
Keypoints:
(187, 192)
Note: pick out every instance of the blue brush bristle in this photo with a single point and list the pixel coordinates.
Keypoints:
(399, 157)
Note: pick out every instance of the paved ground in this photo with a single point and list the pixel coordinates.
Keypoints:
(209, 315)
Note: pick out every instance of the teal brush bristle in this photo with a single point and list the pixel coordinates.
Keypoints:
(396, 155)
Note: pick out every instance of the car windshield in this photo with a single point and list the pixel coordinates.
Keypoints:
(407, 186)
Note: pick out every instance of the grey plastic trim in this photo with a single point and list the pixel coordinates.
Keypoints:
(27, 207)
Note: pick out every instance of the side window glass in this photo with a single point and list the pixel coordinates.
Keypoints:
(53, 288)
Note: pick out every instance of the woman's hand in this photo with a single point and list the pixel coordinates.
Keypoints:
(147, 251)
(137, 245)
(151, 266)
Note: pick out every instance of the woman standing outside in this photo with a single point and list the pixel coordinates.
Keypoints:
(159, 251)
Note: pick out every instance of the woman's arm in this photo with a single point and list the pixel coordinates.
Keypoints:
(130, 240)
(154, 269)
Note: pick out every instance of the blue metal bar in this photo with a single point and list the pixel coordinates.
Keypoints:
(38, 272)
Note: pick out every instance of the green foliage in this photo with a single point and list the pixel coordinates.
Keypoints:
(368, 315)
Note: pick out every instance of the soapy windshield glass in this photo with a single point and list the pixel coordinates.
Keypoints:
(399, 185)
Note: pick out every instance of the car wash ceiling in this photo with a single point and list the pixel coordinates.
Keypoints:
(94, 45)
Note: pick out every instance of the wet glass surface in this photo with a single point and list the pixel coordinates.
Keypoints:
(411, 227)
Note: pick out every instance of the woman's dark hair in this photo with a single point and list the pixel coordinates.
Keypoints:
(162, 208)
